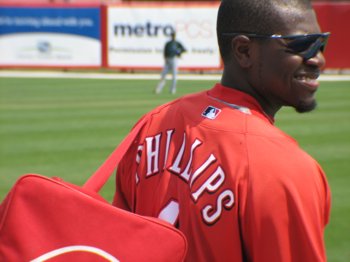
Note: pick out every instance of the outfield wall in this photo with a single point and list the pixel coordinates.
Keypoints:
(335, 18)
(131, 36)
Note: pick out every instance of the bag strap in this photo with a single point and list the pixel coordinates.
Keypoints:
(102, 174)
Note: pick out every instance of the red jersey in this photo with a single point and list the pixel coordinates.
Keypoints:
(214, 165)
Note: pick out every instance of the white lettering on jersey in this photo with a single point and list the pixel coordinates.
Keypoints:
(202, 168)
(170, 212)
(226, 199)
(152, 154)
(186, 173)
(138, 160)
(176, 165)
(169, 134)
(211, 184)
(138, 154)
(182, 164)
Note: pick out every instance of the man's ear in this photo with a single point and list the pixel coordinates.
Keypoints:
(241, 49)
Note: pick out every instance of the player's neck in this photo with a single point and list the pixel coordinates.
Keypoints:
(242, 84)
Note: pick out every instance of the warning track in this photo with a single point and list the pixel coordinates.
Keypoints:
(87, 75)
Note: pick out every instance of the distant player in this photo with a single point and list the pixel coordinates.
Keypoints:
(213, 163)
(172, 50)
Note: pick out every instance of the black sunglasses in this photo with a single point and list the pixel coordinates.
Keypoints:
(306, 45)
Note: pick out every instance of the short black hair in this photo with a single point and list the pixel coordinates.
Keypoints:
(252, 16)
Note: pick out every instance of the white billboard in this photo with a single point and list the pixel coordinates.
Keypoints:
(45, 49)
(137, 33)
(50, 36)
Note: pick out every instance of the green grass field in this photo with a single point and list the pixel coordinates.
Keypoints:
(68, 127)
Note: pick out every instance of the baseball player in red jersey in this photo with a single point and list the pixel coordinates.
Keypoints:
(214, 165)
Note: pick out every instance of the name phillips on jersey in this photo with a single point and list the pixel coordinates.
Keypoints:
(182, 166)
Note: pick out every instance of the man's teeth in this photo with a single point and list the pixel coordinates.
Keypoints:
(305, 78)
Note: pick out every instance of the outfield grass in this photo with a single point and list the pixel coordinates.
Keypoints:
(67, 127)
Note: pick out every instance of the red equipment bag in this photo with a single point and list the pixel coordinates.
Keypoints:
(47, 219)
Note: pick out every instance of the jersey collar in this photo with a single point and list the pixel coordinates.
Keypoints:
(234, 96)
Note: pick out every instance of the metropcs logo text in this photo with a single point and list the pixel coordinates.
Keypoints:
(193, 29)
(139, 30)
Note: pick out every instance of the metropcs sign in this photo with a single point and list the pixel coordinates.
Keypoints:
(136, 35)
(147, 30)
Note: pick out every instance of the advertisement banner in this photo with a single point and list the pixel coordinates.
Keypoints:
(335, 18)
(45, 36)
(137, 33)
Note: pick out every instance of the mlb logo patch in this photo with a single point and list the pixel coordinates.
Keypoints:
(211, 112)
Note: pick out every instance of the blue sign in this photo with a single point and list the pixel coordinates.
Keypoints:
(84, 21)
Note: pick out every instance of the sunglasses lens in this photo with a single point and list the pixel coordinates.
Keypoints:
(309, 45)
(302, 43)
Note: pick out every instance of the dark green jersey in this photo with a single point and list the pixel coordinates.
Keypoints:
(173, 48)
